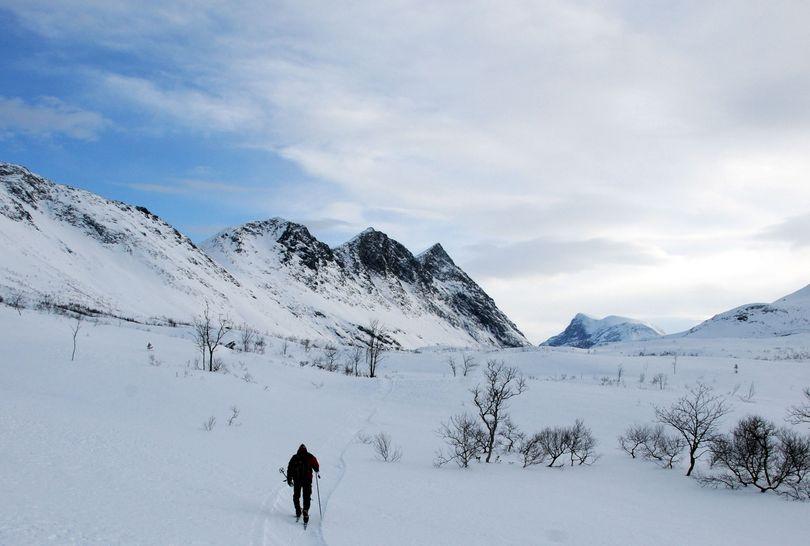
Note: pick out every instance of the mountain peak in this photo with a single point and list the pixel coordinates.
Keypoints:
(585, 331)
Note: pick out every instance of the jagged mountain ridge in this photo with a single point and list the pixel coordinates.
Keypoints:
(73, 247)
(371, 273)
(585, 332)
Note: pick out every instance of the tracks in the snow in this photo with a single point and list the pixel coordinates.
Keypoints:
(275, 525)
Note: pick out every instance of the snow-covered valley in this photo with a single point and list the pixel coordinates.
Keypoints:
(110, 448)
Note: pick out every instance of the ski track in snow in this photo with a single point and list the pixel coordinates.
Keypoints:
(278, 526)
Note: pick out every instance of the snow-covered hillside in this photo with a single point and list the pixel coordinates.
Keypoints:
(585, 332)
(110, 449)
(786, 316)
(66, 247)
(423, 301)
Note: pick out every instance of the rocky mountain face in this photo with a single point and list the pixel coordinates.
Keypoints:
(423, 300)
(585, 332)
(785, 316)
(71, 248)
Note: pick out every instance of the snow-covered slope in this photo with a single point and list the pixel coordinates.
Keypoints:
(585, 332)
(786, 316)
(423, 301)
(71, 248)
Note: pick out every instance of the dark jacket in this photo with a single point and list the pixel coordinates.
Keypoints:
(299, 470)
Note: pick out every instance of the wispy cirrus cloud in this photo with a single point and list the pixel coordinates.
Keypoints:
(48, 117)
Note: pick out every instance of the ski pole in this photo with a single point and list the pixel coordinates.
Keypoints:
(318, 489)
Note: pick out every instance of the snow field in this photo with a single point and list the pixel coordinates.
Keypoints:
(109, 449)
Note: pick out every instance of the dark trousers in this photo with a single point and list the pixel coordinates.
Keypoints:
(307, 489)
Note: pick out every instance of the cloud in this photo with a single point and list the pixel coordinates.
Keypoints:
(543, 257)
(569, 136)
(794, 230)
(48, 117)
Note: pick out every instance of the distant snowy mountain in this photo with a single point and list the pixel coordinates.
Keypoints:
(785, 316)
(585, 332)
(423, 300)
(68, 247)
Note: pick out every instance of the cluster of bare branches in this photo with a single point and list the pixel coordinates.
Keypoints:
(468, 364)
(384, 448)
(653, 442)
(575, 443)
(208, 332)
(465, 438)
(801, 413)
(757, 453)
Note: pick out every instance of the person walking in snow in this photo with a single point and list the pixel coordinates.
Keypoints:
(299, 477)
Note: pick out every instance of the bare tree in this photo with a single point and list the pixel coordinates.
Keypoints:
(77, 325)
(16, 301)
(385, 450)
(759, 454)
(208, 425)
(247, 338)
(374, 346)
(464, 437)
(330, 354)
(451, 362)
(355, 357)
(695, 416)
(468, 364)
(208, 334)
(801, 413)
(285, 346)
(501, 383)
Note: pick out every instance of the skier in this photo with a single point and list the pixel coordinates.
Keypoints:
(299, 477)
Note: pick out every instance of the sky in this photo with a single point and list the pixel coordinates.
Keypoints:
(647, 159)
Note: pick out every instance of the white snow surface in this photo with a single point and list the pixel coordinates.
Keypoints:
(786, 316)
(109, 449)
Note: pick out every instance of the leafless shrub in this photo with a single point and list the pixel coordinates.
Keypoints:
(330, 354)
(531, 450)
(634, 438)
(464, 437)
(247, 378)
(509, 436)
(17, 302)
(501, 384)
(355, 357)
(696, 417)
(259, 345)
(247, 338)
(801, 413)
(665, 448)
(581, 444)
(660, 379)
(468, 364)
(385, 450)
(759, 454)
(748, 396)
(285, 346)
(233, 416)
(554, 443)
(306, 344)
(451, 362)
(208, 425)
(77, 325)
